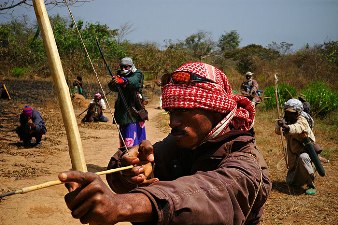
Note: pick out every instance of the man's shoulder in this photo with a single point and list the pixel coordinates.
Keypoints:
(168, 140)
(138, 72)
(35, 111)
(237, 140)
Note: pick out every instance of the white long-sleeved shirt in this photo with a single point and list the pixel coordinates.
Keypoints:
(101, 102)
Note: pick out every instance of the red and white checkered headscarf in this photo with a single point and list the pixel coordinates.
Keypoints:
(216, 97)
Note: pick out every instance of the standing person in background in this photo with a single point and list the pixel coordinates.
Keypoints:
(78, 86)
(128, 84)
(306, 104)
(208, 169)
(31, 125)
(249, 89)
(95, 110)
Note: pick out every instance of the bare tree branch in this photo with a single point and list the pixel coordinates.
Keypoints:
(11, 5)
(8, 5)
(124, 30)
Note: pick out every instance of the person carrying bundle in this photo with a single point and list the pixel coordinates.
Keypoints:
(296, 130)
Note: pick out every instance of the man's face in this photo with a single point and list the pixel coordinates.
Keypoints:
(291, 117)
(248, 77)
(190, 126)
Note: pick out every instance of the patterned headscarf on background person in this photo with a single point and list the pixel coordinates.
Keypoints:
(27, 111)
(214, 96)
(128, 61)
(293, 105)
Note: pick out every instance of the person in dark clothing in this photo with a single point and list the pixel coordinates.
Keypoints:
(31, 125)
(128, 84)
(208, 170)
(306, 105)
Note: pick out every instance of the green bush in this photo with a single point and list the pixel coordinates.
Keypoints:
(285, 92)
(322, 99)
(18, 71)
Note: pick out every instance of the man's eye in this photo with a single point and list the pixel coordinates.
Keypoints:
(177, 111)
(183, 110)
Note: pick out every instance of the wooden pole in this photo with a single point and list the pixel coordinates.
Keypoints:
(280, 116)
(55, 66)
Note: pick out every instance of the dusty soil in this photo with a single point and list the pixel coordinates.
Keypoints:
(22, 167)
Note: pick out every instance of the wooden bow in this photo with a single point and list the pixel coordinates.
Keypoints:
(280, 116)
(55, 66)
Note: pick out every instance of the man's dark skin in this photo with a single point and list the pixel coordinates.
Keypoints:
(289, 118)
(92, 201)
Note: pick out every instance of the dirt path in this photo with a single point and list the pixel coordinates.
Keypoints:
(21, 167)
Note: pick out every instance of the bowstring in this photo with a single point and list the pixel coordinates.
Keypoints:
(96, 75)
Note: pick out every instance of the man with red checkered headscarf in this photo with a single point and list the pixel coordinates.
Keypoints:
(207, 171)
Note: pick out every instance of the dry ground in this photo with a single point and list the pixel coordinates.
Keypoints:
(21, 167)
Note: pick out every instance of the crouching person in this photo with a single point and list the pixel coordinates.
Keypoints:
(31, 125)
(295, 128)
(95, 110)
(208, 169)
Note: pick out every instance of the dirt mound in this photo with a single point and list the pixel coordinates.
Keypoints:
(80, 101)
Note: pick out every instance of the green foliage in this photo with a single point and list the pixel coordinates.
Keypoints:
(245, 57)
(329, 51)
(322, 99)
(229, 41)
(18, 71)
(4, 35)
(200, 44)
(21, 45)
(285, 92)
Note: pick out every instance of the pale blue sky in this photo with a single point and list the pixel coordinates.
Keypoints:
(257, 21)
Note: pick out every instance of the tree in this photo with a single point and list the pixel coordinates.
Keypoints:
(123, 31)
(283, 48)
(200, 44)
(246, 56)
(229, 41)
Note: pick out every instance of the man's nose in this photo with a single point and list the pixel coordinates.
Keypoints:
(174, 121)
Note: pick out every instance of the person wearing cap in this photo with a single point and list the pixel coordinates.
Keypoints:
(295, 127)
(95, 110)
(128, 84)
(249, 88)
(208, 170)
(31, 125)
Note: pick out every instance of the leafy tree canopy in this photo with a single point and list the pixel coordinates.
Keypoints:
(229, 41)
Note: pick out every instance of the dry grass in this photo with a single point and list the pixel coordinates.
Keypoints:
(289, 206)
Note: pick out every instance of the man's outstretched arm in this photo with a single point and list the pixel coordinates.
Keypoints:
(91, 201)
